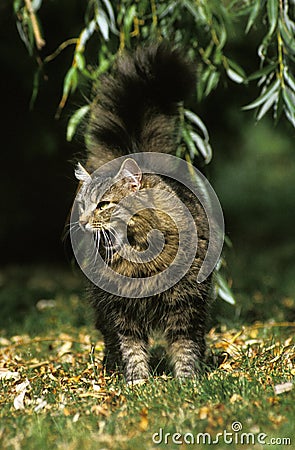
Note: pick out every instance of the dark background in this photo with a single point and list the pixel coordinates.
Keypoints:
(252, 171)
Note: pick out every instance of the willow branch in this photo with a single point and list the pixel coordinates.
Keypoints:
(37, 33)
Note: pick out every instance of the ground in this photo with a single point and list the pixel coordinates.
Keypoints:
(54, 393)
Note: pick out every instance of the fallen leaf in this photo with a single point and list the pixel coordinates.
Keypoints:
(6, 374)
(276, 419)
(236, 398)
(283, 387)
(21, 388)
(66, 411)
(203, 413)
(64, 349)
(41, 403)
(96, 387)
(76, 417)
(143, 424)
(100, 410)
(43, 304)
(52, 377)
(4, 342)
(272, 400)
(138, 382)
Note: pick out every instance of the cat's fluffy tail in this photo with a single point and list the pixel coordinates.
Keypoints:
(136, 107)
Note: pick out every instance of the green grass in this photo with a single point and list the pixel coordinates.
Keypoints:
(70, 404)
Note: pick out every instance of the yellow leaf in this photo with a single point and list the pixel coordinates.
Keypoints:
(143, 424)
(236, 398)
(272, 400)
(253, 333)
(203, 413)
(99, 410)
(66, 412)
(276, 419)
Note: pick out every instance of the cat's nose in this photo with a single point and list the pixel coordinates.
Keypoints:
(83, 221)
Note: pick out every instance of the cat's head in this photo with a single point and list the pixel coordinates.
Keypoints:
(98, 196)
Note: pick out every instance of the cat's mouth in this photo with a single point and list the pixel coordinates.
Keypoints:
(107, 239)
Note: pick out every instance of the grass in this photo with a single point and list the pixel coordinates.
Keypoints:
(67, 402)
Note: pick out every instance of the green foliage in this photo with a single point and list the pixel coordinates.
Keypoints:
(277, 57)
(201, 27)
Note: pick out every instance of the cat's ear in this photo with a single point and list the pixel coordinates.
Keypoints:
(81, 173)
(130, 170)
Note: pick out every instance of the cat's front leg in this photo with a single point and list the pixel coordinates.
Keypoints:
(185, 334)
(134, 357)
(112, 361)
(186, 355)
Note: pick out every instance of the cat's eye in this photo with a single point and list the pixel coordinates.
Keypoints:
(103, 205)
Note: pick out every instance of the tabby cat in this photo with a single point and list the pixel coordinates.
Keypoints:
(136, 109)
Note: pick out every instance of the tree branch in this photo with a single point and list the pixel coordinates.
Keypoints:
(40, 42)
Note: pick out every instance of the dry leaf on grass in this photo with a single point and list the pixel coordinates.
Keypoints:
(41, 404)
(283, 387)
(21, 389)
(6, 374)
(143, 424)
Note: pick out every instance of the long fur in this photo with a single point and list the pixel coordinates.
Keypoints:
(136, 107)
(136, 110)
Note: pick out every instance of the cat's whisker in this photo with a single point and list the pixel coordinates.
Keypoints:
(74, 227)
(65, 235)
(70, 224)
(96, 238)
(106, 242)
(71, 228)
(108, 247)
(115, 235)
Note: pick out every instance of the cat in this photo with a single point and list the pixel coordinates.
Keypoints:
(136, 109)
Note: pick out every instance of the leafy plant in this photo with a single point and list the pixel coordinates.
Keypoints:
(277, 54)
(202, 27)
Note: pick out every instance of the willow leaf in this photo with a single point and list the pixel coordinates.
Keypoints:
(203, 146)
(193, 118)
(262, 72)
(289, 79)
(253, 15)
(75, 120)
(223, 290)
(234, 76)
(289, 99)
(190, 143)
(267, 105)
(272, 13)
(111, 15)
(267, 94)
(102, 22)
